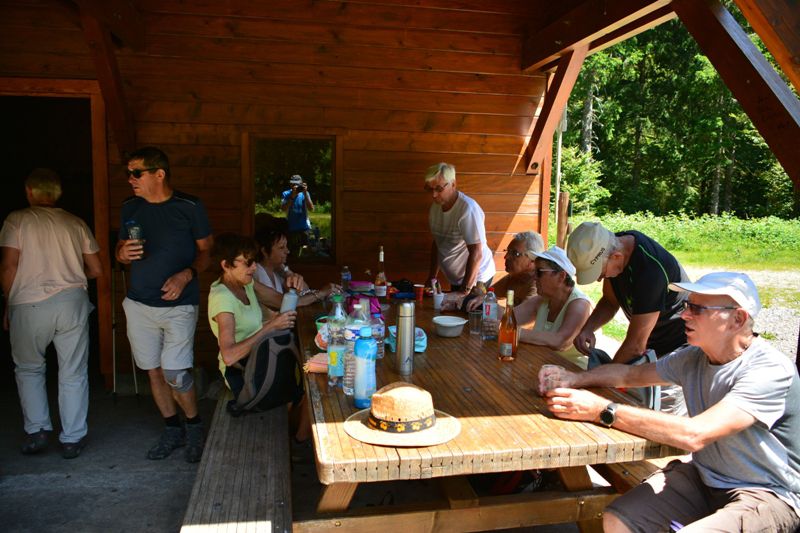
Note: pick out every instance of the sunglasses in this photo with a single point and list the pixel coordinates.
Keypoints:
(697, 309)
(246, 262)
(137, 172)
(540, 270)
(438, 189)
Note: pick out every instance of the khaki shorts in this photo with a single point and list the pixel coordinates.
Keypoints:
(676, 497)
(161, 336)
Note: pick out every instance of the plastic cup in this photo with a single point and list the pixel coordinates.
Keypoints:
(438, 298)
(475, 321)
(419, 291)
(552, 375)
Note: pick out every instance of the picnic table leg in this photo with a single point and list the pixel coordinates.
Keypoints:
(336, 497)
(577, 478)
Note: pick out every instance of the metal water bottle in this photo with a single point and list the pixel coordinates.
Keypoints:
(404, 357)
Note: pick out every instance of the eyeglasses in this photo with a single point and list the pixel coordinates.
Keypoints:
(514, 253)
(137, 172)
(246, 262)
(540, 270)
(437, 189)
(697, 309)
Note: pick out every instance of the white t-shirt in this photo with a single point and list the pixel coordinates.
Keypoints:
(453, 230)
(51, 244)
(262, 277)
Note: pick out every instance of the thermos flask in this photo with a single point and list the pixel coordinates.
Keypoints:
(404, 357)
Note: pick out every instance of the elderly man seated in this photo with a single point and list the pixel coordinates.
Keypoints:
(743, 400)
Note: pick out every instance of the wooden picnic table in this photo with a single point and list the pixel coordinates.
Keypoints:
(505, 426)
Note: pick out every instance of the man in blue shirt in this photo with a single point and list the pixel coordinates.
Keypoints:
(296, 203)
(166, 238)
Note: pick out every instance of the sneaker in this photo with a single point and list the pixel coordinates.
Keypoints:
(194, 443)
(35, 442)
(172, 438)
(71, 450)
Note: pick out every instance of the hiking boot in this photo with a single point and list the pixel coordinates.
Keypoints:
(71, 450)
(173, 437)
(35, 442)
(194, 443)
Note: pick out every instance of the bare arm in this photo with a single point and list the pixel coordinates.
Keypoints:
(8, 268)
(267, 295)
(635, 342)
(233, 351)
(92, 266)
(688, 433)
(473, 261)
(603, 312)
(575, 316)
(309, 203)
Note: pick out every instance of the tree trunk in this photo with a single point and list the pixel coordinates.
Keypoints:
(587, 115)
(727, 197)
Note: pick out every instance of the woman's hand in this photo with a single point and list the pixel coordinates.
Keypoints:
(281, 321)
(295, 281)
(329, 289)
(474, 303)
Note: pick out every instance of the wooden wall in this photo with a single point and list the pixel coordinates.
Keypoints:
(400, 87)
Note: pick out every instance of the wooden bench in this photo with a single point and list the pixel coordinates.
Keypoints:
(243, 482)
(624, 476)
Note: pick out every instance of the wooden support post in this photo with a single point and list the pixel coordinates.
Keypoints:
(563, 224)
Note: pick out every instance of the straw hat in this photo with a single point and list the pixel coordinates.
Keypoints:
(402, 414)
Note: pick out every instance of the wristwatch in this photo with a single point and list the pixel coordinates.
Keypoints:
(609, 415)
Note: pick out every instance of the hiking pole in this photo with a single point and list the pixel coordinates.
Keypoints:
(133, 360)
(113, 335)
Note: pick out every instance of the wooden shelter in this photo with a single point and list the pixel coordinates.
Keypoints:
(396, 85)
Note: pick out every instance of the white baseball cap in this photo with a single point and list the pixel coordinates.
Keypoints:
(558, 256)
(587, 246)
(734, 284)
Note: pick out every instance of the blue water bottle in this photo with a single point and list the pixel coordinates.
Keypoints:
(366, 350)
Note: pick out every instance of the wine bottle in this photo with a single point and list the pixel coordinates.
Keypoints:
(380, 279)
(507, 336)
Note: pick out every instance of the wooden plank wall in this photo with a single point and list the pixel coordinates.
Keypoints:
(400, 86)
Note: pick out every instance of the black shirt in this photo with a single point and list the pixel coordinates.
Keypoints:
(643, 288)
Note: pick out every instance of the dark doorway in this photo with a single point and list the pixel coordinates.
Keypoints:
(53, 133)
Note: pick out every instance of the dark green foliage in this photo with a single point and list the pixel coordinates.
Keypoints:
(276, 160)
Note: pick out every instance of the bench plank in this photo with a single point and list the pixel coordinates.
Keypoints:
(624, 476)
(243, 482)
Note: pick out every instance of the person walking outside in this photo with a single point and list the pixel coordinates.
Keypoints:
(47, 256)
(166, 237)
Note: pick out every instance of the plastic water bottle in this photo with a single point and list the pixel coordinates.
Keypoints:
(352, 330)
(135, 233)
(365, 352)
(346, 278)
(489, 320)
(337, 347)
(379, 333)
(289, 302)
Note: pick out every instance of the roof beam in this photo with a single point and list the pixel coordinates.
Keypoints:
(555, 100)
(588, 22)
(777, 22)
(120, 16)
(99, 40)
(762, 93)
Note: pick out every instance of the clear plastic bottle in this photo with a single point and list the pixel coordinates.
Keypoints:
(289, 302)
(379, 333)
(365, 383)
(347, 276)
(352, 330)
(337, 346)
(489, 320)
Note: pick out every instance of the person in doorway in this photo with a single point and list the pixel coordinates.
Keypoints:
(459, 237)
(166, 237)
(296, 203)
(559, 310)
(636, 272)
(743, 400)
(47, 256)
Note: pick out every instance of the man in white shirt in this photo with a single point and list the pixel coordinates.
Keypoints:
(459, 235)
(47, 256)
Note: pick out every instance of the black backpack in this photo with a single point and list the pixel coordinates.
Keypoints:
(267, 378)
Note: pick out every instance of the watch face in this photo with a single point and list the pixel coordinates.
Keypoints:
(608, 415)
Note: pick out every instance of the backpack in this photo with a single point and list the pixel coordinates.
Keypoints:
(267, 378)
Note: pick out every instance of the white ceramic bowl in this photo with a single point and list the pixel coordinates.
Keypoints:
(449, 326)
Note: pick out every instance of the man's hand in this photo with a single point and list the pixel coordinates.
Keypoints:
(173, 287)
(585, 341)
(576, 404)
(130, 250)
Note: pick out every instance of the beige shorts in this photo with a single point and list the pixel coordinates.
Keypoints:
(676, 498)
(161, 336)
